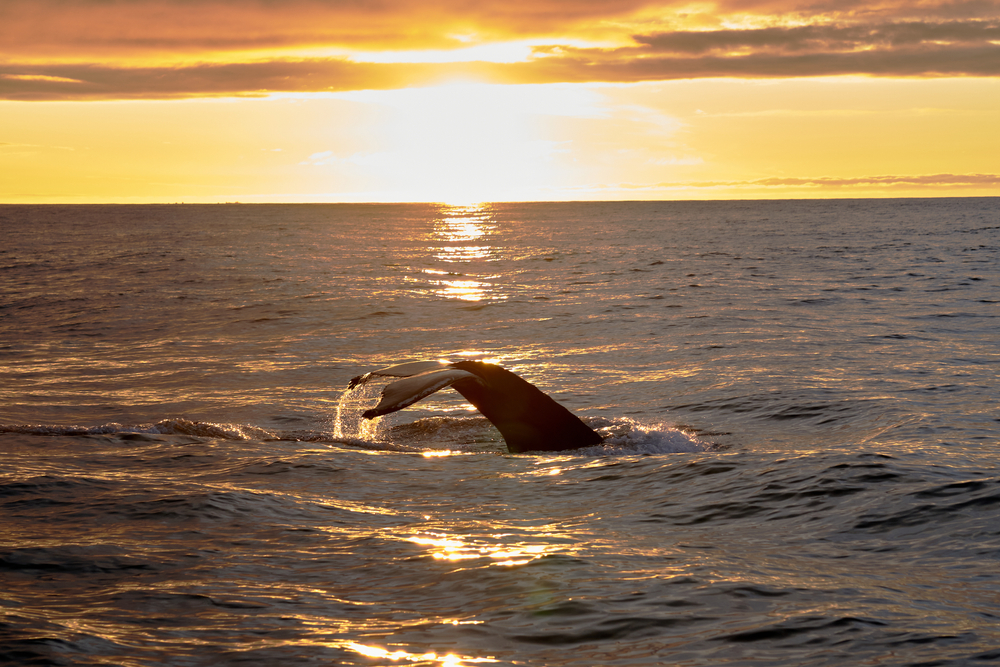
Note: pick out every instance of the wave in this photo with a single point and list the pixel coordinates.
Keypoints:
(622, 436)
(628, 436)
(172, 426)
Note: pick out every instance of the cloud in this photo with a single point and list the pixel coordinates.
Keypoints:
(824, 38)
(41, 82)
(102, 28)
(126, 49)
(204, 30)
(39, 77)
(630, 65)
(928, 180)
(61, 82)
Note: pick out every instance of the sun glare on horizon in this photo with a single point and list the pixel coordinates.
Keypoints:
(466, 142)
(462, 142)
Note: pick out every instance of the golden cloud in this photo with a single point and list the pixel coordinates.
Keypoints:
(104, 49)
(154, 28)
(860, 183)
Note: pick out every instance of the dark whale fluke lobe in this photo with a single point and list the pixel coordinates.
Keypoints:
(528, 419)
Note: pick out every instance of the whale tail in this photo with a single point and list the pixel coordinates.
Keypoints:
(527, 418)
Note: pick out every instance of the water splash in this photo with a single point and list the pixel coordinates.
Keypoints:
(348, 423)
(627, 436)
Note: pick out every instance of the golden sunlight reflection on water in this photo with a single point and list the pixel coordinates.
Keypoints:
(449, 660)
(502, 546)
(458, 286)
(461, 236)
(444, 547)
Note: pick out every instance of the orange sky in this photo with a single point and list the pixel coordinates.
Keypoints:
(178, 100)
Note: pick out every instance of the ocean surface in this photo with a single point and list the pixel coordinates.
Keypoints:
(799, 399)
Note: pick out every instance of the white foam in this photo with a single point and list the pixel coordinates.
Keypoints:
(627, 436)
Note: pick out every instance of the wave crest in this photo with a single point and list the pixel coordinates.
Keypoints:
(628, 436)
(173, 426)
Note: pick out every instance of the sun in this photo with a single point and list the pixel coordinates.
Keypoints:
(462, 143)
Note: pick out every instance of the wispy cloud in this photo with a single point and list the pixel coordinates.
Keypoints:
(929, 180)
(38, 77)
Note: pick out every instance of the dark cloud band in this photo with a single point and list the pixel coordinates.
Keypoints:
(56, 82)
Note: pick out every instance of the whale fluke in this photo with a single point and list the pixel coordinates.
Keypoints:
(399, 371)
(528, 419)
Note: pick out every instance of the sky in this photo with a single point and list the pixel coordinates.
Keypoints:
(497, 100)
